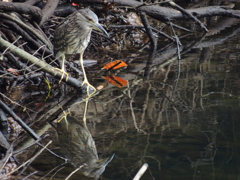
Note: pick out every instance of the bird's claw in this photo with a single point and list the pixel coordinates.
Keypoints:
(89, 85)
(63, 72)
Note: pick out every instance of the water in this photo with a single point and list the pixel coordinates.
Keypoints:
(183, 128)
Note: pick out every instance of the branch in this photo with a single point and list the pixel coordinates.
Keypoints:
(22, 8)
(22, 24)
(148, 30)
(174, 5)
(19, 120)
(166, 14)
(64, 10)
(48, 10)
(32, 2)
(39, 63)
(27, 37)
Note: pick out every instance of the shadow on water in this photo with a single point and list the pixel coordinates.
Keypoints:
(186, 128)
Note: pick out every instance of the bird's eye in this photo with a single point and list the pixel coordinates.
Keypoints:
(90, 19)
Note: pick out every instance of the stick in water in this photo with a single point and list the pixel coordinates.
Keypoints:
(141, 172)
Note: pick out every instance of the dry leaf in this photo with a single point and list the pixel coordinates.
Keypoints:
(115, 65)
(116, 81)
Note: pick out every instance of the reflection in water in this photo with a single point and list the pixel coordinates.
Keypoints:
(185, 129)
(78, 146)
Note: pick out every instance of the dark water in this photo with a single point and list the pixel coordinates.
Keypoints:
(186, 128)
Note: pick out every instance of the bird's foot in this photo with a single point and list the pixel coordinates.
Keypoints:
(64, 116)
(63, 72)
(89, 86)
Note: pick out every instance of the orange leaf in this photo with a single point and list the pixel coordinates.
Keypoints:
(14, 71)
(115, 64)
(116, 81)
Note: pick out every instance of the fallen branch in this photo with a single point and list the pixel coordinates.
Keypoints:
(3, 124)
(48, 10)
(26, 27)
(32, 2)
(39, 63)
(22, 8)
(148, 30)
(7, 156)
(26, 36)
(28, 161)
(19, 121)
(174, 5)
(80, 167)
(166, 14)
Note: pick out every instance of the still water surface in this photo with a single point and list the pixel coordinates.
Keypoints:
(183, 129)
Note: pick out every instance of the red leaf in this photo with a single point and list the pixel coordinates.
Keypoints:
(116, 81)
(115, 64)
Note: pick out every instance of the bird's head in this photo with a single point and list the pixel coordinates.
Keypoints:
(95, 168)
(92, 20)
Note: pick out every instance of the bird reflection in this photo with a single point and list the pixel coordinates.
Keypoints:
(78, 146)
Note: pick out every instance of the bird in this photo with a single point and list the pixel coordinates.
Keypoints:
(72, 37)
(78, 146)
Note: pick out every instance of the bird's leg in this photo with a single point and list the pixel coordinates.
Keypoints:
(62, 69)
(64, 117)
(85, 114)
(85, 80)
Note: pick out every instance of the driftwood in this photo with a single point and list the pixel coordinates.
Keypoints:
(166, 14)
(27, 28)
(39, 63)
(32, 2)
(22, 8)
(19, 120)
(48, 10)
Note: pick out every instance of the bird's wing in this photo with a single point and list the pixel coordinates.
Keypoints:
(61, 33)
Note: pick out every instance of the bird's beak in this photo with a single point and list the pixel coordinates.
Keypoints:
(104, 162)
(98, 27)
(108, 160)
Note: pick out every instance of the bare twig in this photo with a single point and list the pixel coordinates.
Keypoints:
(179, 58)
(163, 13)
(8, 155)
(22, 8)
(48, 10)
(26, 36)
(54, 170)
(13, 102)
(141, 171)
(34, 157)
(39, 63)
(75, 171)
(30, 175)
(19, 121)
(148, 30)
(22, 24)
(174, 5)
(31, 2)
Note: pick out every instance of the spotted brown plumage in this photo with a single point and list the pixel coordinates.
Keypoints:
(73, 35)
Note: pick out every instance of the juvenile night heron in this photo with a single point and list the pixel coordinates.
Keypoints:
(77, 144)
(73, 35)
